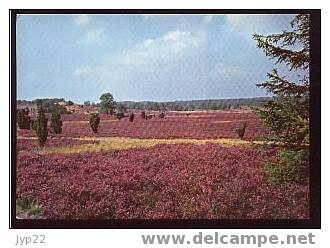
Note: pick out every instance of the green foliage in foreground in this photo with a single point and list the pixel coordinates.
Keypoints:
(290, 166)
(28, 209)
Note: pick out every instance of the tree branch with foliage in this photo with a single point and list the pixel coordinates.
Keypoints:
(287, 115)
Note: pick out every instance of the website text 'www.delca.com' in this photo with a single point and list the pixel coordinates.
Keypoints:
(218, 239)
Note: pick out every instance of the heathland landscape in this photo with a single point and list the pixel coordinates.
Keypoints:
(205, 159)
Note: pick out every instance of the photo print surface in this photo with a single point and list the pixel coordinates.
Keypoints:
(162, 116)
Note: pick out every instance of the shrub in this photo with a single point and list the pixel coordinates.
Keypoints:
(94, 122)
(56, 123)
(121, 108)
(131, 117)
(41, 126)
(33, 125)
(70, 103)
(290, 166)
(23, 118)
(143, 114)
(241, 130)
(120, 115)
(56, 108)
(162, 115)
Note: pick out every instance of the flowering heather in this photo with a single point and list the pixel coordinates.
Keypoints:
(199, 125)
(204, 125)
(166, 181)
(182, 166)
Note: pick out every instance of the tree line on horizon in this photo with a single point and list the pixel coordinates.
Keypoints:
(51, 104)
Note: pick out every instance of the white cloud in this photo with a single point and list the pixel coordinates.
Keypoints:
(176, 58)
(79, 20)
(82, 71)
(171, 45)
(93, 36)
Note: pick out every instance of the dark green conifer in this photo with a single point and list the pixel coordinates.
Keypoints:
(287, 115)
(94, 122)
(41, 126)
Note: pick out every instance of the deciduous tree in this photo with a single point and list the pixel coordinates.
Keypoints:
(107, 103)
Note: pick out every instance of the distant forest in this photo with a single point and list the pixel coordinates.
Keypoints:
(210, 104)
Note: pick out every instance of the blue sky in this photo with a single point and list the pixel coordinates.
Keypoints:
(142, 57)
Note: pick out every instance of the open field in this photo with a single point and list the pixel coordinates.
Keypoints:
(199, 125)
(182, 166)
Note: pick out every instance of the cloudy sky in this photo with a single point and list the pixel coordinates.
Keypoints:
(142, 57)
